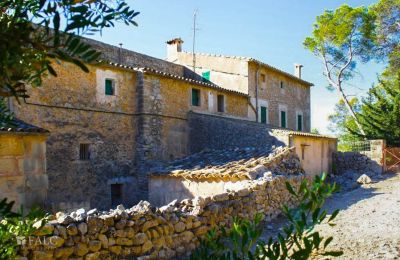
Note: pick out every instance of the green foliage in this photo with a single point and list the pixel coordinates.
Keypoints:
(299, 240)
(6, 116)
(380, 111)
(387, 20)
(339, 39)
(340, 36)
(35, 33)
(379, 114)
(13, 225)
(315, 131)
(342, 124)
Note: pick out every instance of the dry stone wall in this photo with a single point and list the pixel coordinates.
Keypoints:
(148, 232)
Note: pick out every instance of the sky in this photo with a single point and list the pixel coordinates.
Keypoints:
(269, 30)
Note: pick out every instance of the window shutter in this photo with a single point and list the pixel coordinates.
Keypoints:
(299, 122)
(283, 119)
(195, 97)
(109, 87)
(263, 115)
(206, 76)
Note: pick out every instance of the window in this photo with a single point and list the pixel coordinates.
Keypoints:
(195, 97)
(282, 85)
(84, 153)
(299, 122)
(221, 103)
(206, 76)
(262, 76)
(109, 87)
(116, 194)
(264, 115)
(283, 119)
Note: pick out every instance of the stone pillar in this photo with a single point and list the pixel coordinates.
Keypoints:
(377, 154)
(149, 131)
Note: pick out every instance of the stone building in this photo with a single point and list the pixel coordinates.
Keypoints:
(133, 113)
(23, 177)
(277, 98)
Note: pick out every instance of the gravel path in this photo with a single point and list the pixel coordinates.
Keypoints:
(368, 225)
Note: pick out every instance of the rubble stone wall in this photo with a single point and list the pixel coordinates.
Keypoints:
(155, 233)
(361, 162)
(147, 232)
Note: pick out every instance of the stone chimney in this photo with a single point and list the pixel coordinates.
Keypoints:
(173, 47)
(297, 70)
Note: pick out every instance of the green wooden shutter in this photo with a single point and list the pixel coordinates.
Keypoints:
(283, 119)
(299, 122)
(206, 76)
(263, 115)
(195, 97)
(109, 87)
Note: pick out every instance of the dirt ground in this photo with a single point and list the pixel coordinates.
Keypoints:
(368, 225)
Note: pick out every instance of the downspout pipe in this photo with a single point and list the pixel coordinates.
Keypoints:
(257, 79)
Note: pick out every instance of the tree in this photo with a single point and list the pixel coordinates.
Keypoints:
(339, 39)
(387, 20)
(36, 33)
(341, 122)
(380, 111)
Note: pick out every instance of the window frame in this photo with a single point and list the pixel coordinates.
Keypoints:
(283, 108)
(299, 114)
(220, 107)
(198, 97)
(84, 151)
(112, 86)
(266, 114)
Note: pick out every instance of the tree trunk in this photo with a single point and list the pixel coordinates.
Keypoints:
(352, 113)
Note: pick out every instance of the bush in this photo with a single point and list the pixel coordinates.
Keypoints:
(299, 240)
(15, 226)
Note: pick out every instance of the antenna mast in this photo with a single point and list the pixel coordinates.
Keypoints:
(194, 39)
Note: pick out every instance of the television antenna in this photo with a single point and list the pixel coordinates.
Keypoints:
(194, 38)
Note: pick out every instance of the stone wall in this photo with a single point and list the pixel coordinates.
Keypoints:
(23, 177)
(368, 162)
(156, 233)
(214, 132)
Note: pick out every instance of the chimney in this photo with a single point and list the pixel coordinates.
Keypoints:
(173, 47)
(297, 70)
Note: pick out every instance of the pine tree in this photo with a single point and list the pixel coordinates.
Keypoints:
(380, 111)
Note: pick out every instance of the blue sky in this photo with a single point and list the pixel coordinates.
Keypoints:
(268, 30)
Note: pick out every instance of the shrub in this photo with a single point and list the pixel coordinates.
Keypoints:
(15, 226)
(299, 239)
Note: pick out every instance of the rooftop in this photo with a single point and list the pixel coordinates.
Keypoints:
(19, 126)
(221, 165)
(174, 76)
(249, 59)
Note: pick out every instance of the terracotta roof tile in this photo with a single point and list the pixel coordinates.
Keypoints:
(17, 125)
(217, 165)
(173, 76)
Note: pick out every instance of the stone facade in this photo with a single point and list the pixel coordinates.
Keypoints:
(268, 87)
(141, 126)
(23, 177)
(166, 232)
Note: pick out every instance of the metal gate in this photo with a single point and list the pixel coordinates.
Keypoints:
(391, 158)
